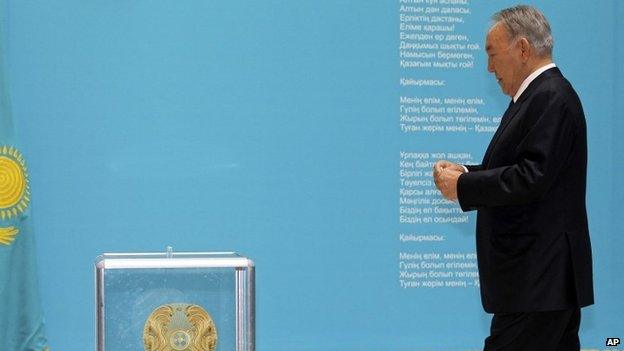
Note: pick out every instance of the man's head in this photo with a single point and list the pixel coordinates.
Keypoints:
(518, 43)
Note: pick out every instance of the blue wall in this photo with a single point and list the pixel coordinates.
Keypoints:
(269, 128)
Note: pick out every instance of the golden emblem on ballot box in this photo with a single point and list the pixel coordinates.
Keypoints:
(179, 327)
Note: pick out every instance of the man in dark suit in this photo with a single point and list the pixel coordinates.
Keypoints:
(533, 247)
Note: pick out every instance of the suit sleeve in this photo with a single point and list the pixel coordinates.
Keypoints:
(540, 156)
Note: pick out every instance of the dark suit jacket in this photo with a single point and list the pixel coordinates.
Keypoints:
(533, 245)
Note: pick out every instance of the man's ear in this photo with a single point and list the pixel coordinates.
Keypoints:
(525, 49)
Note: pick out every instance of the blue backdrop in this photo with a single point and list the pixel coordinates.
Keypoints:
(271, 128)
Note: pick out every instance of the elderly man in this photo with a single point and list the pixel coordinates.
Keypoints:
(533, 245)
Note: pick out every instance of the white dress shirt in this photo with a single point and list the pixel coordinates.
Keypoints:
(530, 78)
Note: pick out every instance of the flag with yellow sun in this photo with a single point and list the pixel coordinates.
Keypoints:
(21, 317)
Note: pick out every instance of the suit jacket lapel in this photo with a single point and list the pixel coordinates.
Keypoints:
(509, 113)
(514, 108)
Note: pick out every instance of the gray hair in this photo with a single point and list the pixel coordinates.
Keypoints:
(527, 22)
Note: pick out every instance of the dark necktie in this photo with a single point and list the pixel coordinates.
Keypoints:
(507, 113)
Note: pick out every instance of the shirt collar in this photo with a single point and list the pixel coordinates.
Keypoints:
(531, 78)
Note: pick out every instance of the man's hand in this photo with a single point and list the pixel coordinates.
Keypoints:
(444, 164)
(445, 175)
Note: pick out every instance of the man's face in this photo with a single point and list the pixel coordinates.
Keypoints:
(504, 60)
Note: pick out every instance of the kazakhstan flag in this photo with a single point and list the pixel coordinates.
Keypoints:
(21, 318)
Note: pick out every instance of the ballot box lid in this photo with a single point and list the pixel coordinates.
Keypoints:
(170, 259)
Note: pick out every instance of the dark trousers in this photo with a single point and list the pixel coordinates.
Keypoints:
(535, 331)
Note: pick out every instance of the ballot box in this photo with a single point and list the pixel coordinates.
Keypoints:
(195, 301)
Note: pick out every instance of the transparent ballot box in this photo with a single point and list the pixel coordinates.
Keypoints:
(174, 301)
